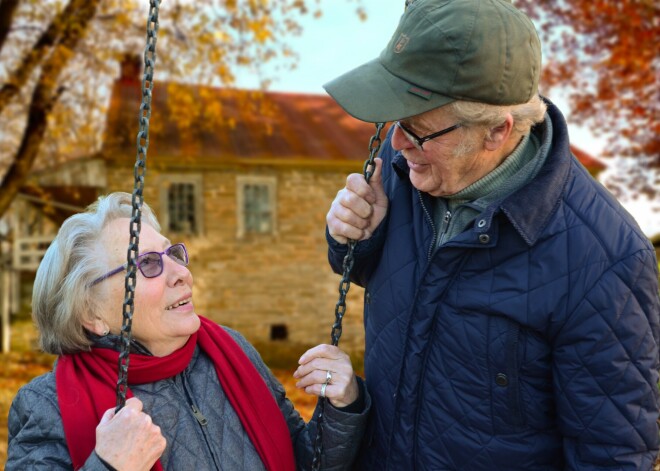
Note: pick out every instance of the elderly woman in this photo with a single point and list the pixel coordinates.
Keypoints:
(200, 397)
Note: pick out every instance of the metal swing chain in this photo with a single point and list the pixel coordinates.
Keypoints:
(139, 172)
(347, 265)
(344, 286)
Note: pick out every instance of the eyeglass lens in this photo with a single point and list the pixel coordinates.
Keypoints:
(151, 263)
(414, 140)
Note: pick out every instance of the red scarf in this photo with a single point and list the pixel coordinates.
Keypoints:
(86, 388)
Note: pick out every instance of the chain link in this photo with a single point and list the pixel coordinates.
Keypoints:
(347, 265)
(344, 285)
(139, 172)
(136, 216)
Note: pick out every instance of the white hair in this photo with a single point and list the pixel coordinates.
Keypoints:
(479, 120)
(62, 299)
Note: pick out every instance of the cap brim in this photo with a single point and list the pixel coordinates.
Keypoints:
(371, 93)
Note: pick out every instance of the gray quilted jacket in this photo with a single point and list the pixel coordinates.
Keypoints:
(37, 442)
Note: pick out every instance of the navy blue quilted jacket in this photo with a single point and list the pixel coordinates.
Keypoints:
(527, 342)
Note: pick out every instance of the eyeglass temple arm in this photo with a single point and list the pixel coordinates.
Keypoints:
(108, 275)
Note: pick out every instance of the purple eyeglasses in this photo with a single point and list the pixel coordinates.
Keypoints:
(151, 263)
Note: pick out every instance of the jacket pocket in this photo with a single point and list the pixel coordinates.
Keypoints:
(504, 370)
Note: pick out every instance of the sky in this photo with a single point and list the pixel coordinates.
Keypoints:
(339, 41)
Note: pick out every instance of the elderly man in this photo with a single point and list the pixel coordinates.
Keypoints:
(511, 304)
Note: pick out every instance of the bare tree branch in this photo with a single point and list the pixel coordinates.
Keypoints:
(7, 8)
(55, 31)
(71, 29)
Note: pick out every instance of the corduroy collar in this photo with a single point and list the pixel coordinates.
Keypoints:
(546, 189)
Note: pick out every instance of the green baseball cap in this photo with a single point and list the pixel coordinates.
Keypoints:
(442, 51)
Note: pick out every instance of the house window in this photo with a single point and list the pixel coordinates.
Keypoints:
(256, 205)
(181, 197)
(181, 208)
(256, 209)
(279, 332)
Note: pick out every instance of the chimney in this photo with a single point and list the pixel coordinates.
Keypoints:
(131, 68)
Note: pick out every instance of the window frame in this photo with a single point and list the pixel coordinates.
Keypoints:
(270, 182)
(165, 181)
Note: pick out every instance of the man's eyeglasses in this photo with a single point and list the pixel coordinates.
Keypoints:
(151, 263)
(419, 141)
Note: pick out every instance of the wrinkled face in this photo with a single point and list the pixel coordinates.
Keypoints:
(436, 169)
(164, 316)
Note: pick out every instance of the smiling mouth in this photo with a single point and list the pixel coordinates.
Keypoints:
(177, 304)
(414, 165)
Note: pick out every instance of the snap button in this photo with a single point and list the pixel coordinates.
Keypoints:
(484, 238)
(501, 379)
(481, 223)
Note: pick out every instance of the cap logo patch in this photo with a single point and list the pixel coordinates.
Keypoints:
(420, 92)
(401, 43)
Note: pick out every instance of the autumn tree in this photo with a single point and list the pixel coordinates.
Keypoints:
(605, 54)
(58, 57)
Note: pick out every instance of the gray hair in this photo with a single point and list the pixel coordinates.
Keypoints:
(479, 120)
(61, 298)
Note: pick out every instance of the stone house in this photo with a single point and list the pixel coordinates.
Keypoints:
(247, 197)
(245, 180)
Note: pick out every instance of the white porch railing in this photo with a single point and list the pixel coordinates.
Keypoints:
(28, 252)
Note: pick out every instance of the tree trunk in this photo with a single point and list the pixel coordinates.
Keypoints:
(7, 8)
(64, 24)
(44, 96)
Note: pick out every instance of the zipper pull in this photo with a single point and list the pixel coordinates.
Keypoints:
(447, 217)
(198, 415)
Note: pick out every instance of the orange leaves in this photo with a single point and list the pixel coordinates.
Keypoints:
(604, 52)
(261, 29)
(70, 48)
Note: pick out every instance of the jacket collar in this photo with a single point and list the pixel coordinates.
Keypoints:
(544, 191)
(114, 342)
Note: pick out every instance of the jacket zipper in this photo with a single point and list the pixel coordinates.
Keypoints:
(198, 415)
(201, 419)
(446, 219)
(426, 355)
(196, 412)
(429, 255)
(445, 227)
(430, 219)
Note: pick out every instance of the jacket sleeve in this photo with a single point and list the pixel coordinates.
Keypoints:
(605, 370)
(36, 435)
(367, 252)
(341, 438)
(365, 255)
(342, 431)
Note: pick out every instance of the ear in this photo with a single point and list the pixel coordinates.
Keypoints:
(96, 325)
(499, 134)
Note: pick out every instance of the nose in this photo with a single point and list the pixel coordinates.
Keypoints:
(399, 140)
(176, 273)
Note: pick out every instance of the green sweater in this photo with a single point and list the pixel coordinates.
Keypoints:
(453, 214)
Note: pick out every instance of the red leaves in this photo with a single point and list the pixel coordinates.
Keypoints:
(604, 52)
